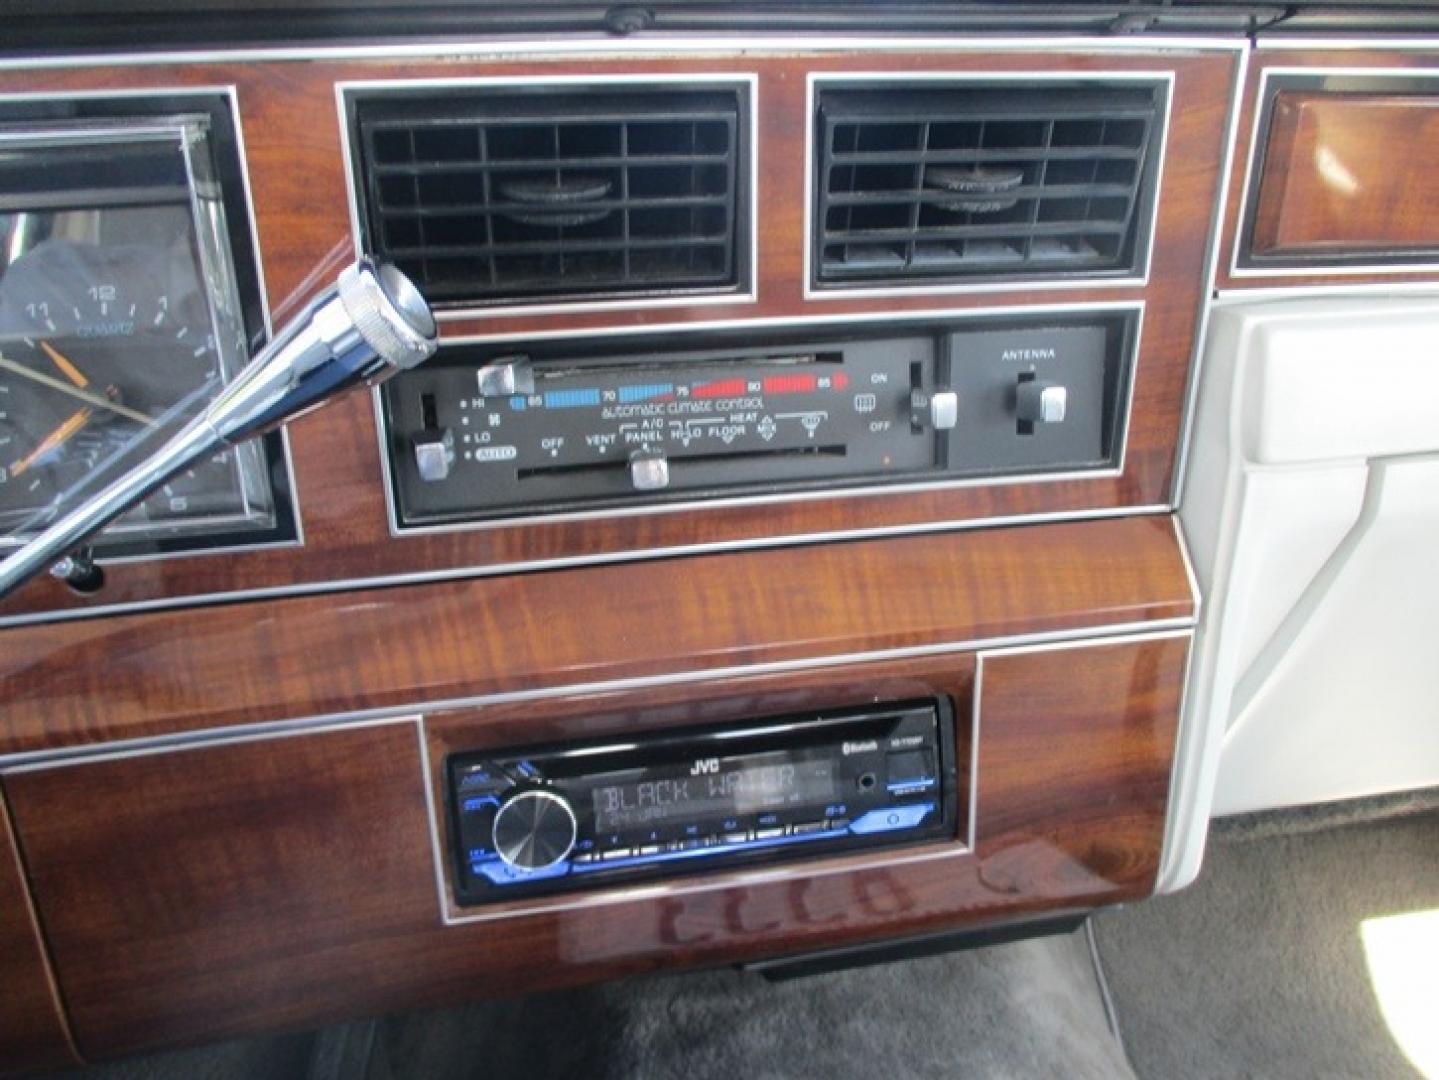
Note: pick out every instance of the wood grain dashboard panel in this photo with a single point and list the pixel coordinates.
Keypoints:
(1349, 173)
(133, 676)
(291, 125)
(1297, 172)
(224, 810)
(221, 888)
(33, 1032)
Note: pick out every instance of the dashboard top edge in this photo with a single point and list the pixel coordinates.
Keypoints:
(657, 44)
(817, 318)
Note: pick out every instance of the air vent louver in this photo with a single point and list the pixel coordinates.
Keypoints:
(925, 182)
(485, 197)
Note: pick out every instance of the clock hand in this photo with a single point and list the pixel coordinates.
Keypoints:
(83, 395)
(58, 437)
(66, 365)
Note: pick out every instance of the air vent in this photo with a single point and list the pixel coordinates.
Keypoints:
(490, 197)
(935, 182)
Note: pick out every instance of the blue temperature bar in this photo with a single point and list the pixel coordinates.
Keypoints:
(571, 399)
(645, 392)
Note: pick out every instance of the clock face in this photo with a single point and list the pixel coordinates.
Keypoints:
(101, 346)
(118, 323)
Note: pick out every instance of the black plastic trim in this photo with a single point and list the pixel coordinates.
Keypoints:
(629, 237)
(1040, 127)
(912, 948)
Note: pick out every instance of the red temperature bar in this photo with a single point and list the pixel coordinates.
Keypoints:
(723, 388)
(791, 384)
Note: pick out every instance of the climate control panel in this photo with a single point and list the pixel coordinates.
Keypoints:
(483, 433)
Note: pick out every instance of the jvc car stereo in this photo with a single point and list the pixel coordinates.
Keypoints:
(546, 820)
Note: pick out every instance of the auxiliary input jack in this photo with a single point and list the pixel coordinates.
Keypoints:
(866, 781)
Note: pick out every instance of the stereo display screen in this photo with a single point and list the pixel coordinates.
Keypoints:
(713, 788)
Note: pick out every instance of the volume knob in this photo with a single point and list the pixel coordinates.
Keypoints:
(534, 829)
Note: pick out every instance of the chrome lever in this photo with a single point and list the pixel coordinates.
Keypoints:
(371, 325)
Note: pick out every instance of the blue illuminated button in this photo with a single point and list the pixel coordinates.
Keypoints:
(479, 779)
(809, 827)
(501, 874)
(769, 834)
(894, 817)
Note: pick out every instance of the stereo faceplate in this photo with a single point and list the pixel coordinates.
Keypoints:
(555, 819)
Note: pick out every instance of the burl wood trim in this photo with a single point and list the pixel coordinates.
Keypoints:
(225, 888)
(291, 124)
(1348, 62)
(398, 649)
(33, 1032)
(1349, 173)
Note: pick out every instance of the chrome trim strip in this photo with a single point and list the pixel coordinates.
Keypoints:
(1251, 182)
(1194, 590)
(1189, 751)
(1225, 297)
(1163, 630)
(601, 46)
(783, 321)
(267, 729)
(749, 80)
(633, 555)
(387, 473)
(813, 78)
(1211, 273)
(1317, 44)
(121, 750)
(432, 818)
(858, 490)
(237, 119)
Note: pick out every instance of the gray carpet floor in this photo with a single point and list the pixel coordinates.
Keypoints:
(1025, 1010)
(1258, 968)
(1021, 1011)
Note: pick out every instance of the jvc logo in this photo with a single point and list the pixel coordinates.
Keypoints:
(705, 765)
